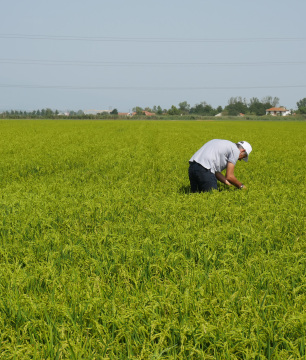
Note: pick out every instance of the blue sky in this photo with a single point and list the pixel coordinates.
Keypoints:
(71, 55)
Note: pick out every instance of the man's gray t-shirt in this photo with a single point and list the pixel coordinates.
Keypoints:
(215, 154)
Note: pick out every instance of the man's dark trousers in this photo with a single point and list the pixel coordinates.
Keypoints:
(201, 179)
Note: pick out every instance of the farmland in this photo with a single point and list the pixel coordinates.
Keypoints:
(106, 255)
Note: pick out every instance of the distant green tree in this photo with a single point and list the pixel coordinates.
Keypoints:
(236, 108)
(114, 112)
(159, 110)
(203, 109)
(302, 103)
(174, 111)
(184, 107)
(236, 105)
(302, 110)
(138, 110)
(49, 113)
(257, 107)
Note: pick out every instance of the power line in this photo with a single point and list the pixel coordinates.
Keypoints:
(71, 87)
(136, 64)
(147, 39)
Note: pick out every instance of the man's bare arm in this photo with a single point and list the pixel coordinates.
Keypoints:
(222, 178)
(230, 176)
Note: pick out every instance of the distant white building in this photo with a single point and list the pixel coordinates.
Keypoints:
(278, 111)
(95, 112)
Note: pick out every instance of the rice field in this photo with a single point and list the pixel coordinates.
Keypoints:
(105, 254)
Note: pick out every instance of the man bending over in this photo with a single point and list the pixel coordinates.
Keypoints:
(213, 157)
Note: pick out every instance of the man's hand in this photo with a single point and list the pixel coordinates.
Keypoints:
(228, 183)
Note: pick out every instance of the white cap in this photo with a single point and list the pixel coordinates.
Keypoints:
(247, 147)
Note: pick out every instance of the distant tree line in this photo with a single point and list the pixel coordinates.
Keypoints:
(50, 114)
(235, 107)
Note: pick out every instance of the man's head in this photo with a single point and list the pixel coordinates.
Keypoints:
(245, 149)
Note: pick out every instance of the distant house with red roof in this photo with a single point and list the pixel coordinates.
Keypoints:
(148, 113)
(278, 111)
